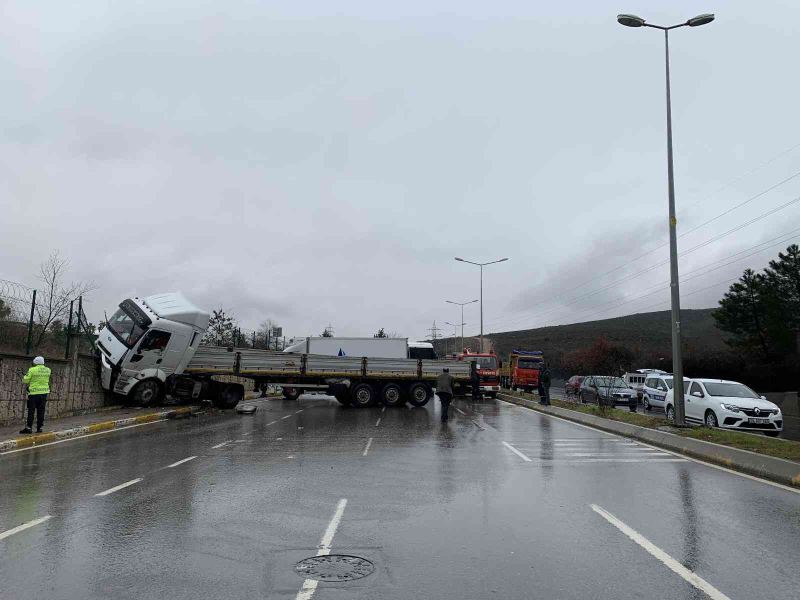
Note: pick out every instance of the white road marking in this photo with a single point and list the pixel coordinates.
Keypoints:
(80, 437)
(517, 452)
(299, 411)
(458, 410)
(180, 462)
(24, 526)
(383, 409)
(248, 433)
(683, 456)
(218, 446)
(478, 425)
(378, 422)
(650, 460)
(672, 564)
(117, 488)
(271, 423)
(644, 454)
(366, 449)
(286, 417)
(324, 548)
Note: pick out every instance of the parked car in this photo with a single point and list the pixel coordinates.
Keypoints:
(728, 404)
(635, 379)
(656, 386)
(573, 386)
(612, 390)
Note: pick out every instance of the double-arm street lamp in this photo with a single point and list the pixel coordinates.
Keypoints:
(677, 360)
(455, 334)
(462, 305)
(481, 265)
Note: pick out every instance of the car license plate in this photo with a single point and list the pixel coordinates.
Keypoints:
(756, 421)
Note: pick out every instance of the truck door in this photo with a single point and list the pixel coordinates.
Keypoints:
(150, 352)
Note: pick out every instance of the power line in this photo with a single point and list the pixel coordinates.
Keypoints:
(633, 260)
(664, 262)
(715, 265)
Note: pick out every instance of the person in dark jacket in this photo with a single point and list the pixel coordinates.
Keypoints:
(475, 381)
(544, 385)
(444, 389)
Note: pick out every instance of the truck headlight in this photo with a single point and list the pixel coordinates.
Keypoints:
(730, 407)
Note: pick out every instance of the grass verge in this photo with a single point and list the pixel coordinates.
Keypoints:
(761, 444)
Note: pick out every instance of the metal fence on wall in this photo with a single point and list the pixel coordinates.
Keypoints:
(36, 323)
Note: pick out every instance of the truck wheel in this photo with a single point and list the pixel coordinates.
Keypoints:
(228, 396)
(392, 395)
(492, 394)
(364, 395)
(291, 393)
(146, 393)
(419, 393)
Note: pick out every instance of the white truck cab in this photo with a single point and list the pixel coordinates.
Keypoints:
(145, 341)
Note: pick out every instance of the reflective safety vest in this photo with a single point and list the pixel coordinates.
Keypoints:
(38, 380)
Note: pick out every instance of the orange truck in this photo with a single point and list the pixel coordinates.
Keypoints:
(522, 369)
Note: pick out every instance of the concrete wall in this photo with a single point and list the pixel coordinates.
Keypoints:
(74, 387)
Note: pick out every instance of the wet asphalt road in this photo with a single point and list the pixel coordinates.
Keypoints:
(498, 503)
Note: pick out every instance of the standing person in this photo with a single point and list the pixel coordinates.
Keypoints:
(544, 385)
(444, 389)
(475, 381)
(38, 381)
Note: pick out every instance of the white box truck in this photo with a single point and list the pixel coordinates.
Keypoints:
(151, 346)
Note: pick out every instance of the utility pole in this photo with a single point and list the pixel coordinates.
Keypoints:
(434, 335)
(675, 295)
(481, 265)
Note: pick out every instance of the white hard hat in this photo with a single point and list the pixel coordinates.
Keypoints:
(39, 360)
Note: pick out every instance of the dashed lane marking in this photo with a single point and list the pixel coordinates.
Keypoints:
(672, 564)
(461, 412)
(366, 448)
(478, 425)
(271, 423)
(310, 585)
(24, 526)
(378, 422)
(180, 462)
(517, 452)
(286, 417)
(119, 487)
(218, 446)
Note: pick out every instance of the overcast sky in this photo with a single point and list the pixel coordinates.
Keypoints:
(323, 162)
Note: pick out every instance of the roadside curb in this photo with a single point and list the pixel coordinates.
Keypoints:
(54, 436)
(779, 470)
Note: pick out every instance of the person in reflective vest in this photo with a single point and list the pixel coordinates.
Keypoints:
(38, 381)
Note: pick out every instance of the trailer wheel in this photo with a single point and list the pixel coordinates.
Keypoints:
(419, 393)
(146, 393)
(291, 393)
(364, 395)
(228, 396)
(392, 395)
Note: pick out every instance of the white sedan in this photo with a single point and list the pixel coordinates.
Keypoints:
(729, 405)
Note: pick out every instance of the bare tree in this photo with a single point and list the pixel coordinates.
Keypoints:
(265, 334)
(55, 294)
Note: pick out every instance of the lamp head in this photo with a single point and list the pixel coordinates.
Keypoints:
(631, 20)
(704, 19)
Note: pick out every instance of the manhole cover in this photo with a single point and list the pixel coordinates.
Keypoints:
(334, 567)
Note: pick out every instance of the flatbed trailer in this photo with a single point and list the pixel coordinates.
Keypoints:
(359, 381)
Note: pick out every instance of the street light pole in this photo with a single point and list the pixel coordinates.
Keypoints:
(455, 331)
(675, 295)
(481, 265)
(462, 304)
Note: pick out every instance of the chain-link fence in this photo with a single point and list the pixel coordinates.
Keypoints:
(32, 322)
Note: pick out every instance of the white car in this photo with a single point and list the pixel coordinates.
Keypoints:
(655, 388)
(729, 405)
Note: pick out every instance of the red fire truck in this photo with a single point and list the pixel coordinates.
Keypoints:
(488, 370)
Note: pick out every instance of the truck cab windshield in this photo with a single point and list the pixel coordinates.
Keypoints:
(484, 362)
(529, 364)
(125, 328)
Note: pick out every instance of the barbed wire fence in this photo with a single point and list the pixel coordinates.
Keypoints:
(22, 329)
